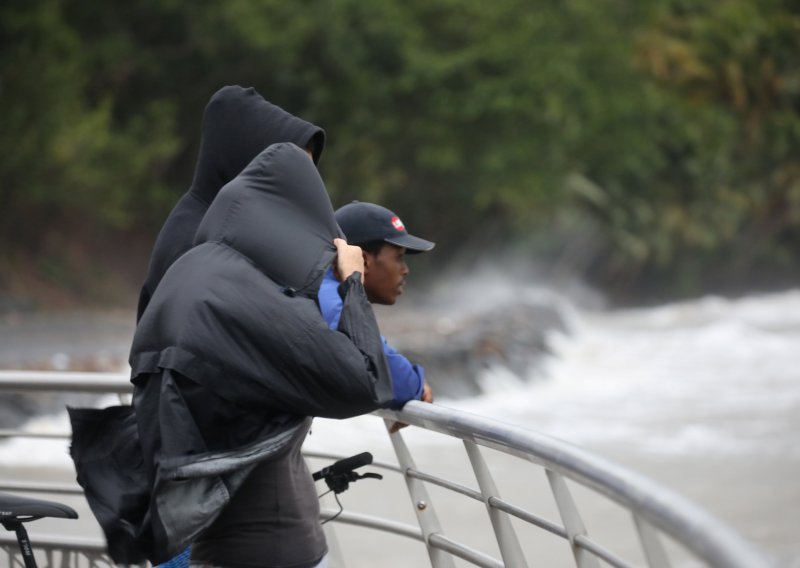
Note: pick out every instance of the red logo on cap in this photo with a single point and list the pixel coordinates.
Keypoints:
(398, 224)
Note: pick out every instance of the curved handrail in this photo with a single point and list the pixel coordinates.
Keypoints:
(701, 533)
(651, 504)
(64, 381)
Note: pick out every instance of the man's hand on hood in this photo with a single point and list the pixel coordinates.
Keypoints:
(349, 259)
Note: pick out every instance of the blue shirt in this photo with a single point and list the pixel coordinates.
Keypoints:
(407, 378)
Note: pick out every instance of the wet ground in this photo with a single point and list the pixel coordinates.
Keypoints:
(72, 340)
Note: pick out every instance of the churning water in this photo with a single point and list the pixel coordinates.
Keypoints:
(703, 396)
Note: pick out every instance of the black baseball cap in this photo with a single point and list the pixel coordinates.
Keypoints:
(366, 222)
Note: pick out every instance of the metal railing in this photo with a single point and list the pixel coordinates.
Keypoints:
(656, 512)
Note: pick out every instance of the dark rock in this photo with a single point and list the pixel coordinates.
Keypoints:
(466, 348)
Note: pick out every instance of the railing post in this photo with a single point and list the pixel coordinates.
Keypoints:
(571, 519)
(506, 537)
(426, 515)
(651, 544)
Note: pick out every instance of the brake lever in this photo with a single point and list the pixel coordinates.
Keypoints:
(341, 482)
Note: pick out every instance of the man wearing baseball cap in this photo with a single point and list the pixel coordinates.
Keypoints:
(385, 242)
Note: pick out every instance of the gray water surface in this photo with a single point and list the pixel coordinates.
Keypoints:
(701, 396)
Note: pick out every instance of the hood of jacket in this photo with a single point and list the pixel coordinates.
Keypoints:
(278, 215)
(238, 124)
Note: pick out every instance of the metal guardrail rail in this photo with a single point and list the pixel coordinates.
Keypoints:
(655, 510)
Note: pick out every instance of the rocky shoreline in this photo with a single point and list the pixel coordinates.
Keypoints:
(463, 349)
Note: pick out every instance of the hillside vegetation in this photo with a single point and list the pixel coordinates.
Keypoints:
(649, 148)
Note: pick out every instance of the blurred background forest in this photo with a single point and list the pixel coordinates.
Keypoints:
(650, 149)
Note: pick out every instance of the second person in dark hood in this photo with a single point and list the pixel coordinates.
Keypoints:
(230, 360)
(238, 123)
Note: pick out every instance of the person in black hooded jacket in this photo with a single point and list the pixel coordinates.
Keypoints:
(238, 123)
(229, 361)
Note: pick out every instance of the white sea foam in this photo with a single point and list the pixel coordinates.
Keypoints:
(50, 452)
(705, 376)
(711, 376)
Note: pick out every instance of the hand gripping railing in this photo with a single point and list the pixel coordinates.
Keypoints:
(655, 510)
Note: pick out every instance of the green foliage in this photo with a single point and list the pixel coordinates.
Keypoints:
(67, 159)
(729, 85)
(668, 130)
